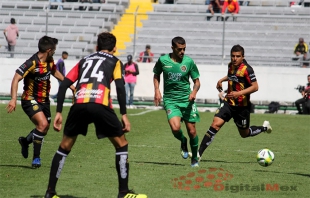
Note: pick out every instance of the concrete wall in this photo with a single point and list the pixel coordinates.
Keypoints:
(275, 83)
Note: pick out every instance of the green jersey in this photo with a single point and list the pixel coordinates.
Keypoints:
(176, 77)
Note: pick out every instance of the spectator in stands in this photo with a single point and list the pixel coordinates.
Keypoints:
(60, 66)
(11, 33)
(60, 7)
(301, 50)
(169, 2)
(215, 6)
(131, 71)
(305, 100)
(232, 7)
(146, 56)
(207, 2)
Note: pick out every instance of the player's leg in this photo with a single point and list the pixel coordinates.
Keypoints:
(222, 115)
(190, 117)
(75, 125)
(174, 119)
(42, 126)
(58, 163)
(242, 121)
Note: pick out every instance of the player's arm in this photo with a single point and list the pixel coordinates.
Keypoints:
(157, 94)
(14, 87)
(60, 77)
(65, 84)
(219, 83)
(196, 87)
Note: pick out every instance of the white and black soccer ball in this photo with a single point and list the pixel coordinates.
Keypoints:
(265, 157)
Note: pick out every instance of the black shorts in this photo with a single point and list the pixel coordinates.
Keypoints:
(241, 115)
(32, 107)
(80, 116)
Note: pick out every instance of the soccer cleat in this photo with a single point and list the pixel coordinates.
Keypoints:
(190, 155)
(184, 150)
(51, 195)
(36, 163)
(131, 194)
(194, 163)
(23, 142)
(267, 124)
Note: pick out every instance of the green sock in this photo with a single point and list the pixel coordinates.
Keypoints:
(194, 146)
(180, 136)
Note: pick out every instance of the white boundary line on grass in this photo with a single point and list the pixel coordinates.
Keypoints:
(143, 112)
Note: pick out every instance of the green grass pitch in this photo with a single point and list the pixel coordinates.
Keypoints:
(228, 167)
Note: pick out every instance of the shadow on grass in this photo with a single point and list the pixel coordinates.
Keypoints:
(299, 174)
(16, 166)
(62, 196)
(158, 163)
(226, 162)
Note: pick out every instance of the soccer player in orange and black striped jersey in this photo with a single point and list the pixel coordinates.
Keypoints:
(241, 83)
(36, 73)
(92, 104)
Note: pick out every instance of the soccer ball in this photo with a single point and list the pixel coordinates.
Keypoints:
(265, 157)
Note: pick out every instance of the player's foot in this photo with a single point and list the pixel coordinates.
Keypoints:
(23, 142)
(267, 124)
(51, 195)
(36, 163)
(130, 194)
(190, 155)
(184, 150)
(194, 163)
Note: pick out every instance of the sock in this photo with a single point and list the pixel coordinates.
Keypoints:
(122, 168)
(29, 137)
(38, 138)
(57, 165)
(194, 146)
(255, 130)
(207, 140)
(180, 136)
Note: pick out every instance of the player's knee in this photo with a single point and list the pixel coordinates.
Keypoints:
(43, 127)
(216, 126)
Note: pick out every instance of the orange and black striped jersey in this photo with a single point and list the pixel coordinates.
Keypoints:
(36, 76)
(240, 78)
(94, 74)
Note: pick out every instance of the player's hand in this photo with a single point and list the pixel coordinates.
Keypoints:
(58, 122)
(11, 106)
(233, 95)
(219, 86)
(126, 123)
(192, 97)
(157, 98)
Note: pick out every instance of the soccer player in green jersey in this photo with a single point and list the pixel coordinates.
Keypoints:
(179, 99)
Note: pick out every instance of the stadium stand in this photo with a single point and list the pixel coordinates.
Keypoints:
(75, 29)
(267, 29)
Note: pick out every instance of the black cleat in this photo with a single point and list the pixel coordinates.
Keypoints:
(23, 142)
(51, 195)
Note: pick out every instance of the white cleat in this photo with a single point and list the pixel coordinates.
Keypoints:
(190, 155)
(267, 124)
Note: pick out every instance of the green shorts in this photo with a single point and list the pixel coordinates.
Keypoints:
(186, 110)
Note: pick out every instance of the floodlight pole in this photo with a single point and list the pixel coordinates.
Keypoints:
(223, 40)
(135, 30)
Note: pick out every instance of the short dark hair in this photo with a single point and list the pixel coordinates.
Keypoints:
(46, 43)
(64, 52)
(237, 48)
(106, 41)
(12, 21)
(147, 47)
(178, 40)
